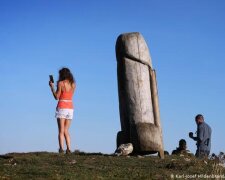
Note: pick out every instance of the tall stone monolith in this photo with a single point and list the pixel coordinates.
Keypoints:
(138, 96)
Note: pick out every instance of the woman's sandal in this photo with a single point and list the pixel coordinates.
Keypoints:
(61, 151)
(68, 151)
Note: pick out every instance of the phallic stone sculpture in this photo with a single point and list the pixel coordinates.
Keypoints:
(138, 96)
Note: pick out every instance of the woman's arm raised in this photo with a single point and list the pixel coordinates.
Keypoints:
(56, 93)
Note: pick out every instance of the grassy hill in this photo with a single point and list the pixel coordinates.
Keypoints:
(46, 165)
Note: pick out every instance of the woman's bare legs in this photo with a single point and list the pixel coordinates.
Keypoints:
(66, 133)
(61, 127)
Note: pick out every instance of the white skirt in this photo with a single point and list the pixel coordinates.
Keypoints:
(64, 113)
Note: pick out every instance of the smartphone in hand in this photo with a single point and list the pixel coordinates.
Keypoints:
(51, 78)
(191, 134)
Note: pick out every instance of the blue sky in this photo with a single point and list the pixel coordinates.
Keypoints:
(187, 45)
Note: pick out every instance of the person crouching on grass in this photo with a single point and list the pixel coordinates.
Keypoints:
(64, 111)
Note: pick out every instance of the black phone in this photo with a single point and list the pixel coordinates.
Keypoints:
(51, 78)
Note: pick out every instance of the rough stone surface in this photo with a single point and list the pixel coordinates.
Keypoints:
(138, 96)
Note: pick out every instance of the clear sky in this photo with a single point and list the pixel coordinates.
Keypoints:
(187, 45)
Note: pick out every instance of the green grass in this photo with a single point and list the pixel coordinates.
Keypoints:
(45, 165)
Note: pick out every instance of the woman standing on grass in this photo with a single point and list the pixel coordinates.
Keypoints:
(64, 111)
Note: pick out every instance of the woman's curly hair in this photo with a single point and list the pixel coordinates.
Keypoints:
(65, 74)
